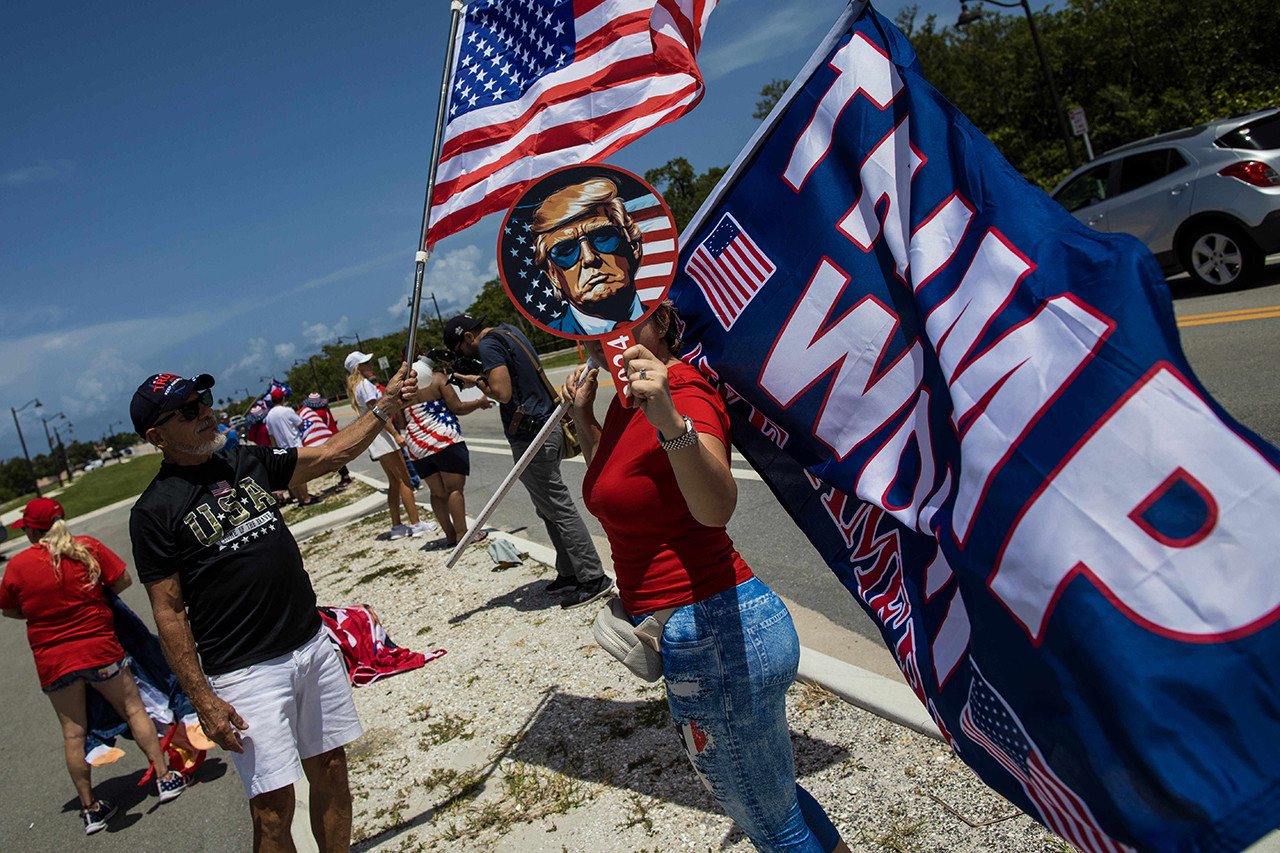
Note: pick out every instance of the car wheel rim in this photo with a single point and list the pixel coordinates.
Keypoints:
(1217, 259)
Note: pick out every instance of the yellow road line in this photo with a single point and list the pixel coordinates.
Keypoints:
(1229, 316)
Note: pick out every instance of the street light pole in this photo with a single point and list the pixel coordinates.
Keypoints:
(968, 16)
(49, 440)
(66, 463)
(35, 481)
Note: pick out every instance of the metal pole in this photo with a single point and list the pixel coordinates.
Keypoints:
(49, 440)
(1053, 90)
(423, 254)
(35, 481)
(63, 450)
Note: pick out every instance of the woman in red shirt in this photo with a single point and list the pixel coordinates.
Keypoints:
(658, 480)
(57, 587)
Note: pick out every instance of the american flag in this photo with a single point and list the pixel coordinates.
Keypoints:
(730, 269)
(990, 723)
(540, 84)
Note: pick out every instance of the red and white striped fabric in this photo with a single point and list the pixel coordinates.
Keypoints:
(540, 84)
(429, 428)
(319, 428)
(661, 249)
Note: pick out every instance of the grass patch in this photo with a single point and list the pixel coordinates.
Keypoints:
(562, 359)
(445, 728)
(331, 500)
(103, 487)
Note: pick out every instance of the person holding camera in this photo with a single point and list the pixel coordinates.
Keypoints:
(434, 441)
(510, 373)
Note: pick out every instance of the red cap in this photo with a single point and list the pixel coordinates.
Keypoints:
(277, 393)
(41, 513)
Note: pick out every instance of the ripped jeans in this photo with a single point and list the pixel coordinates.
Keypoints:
(727, 663)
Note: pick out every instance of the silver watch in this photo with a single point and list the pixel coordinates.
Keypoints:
(382, 416)
(689, 439)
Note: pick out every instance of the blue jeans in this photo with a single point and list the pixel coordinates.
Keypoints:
(727, 662)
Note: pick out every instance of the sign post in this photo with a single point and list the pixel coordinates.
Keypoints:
(1080, 127)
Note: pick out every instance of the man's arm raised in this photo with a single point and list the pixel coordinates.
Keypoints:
(351, 441)
(219, 720)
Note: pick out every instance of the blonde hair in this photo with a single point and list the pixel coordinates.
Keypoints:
(354, 378)
(59, 542)
(573, 202)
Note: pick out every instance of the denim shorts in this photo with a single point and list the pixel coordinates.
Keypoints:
(92, 674)
(727, 662)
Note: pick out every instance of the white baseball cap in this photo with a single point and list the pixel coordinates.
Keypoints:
(354, 358)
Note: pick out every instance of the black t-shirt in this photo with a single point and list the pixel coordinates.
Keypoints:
(218, 528)
(526, 385)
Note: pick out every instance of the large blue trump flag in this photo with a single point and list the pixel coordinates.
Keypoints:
(979, 412)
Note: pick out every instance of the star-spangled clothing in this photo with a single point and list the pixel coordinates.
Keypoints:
(539, 84)
(429, 428)
(248, 597)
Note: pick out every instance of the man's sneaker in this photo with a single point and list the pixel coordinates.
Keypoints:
(171, 786)
(561, 583)
(587, 593)
(400, 531)
(422, 528)
(96, 816)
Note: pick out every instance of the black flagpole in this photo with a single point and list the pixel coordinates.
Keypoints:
(410, 350)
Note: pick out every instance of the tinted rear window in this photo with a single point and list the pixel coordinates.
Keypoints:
(1138, 170)
(1260, 135)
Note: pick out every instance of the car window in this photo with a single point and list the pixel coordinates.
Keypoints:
(1085, 189)
(1138, 170)
(1260, 135)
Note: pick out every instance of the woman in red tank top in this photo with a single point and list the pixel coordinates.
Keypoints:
(659, 481)
(57, 587)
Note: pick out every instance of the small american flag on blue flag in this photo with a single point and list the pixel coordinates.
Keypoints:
(730, 269)
(540, 84)
(989, 723)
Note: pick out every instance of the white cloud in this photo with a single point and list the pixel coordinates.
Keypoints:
(286, 350)
(320, 334)
(44, 170)
(454, 277)
(772, 36)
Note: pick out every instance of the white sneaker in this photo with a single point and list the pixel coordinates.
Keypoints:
(422, 528)
(400, 531)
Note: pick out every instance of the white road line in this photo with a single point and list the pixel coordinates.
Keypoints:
(498, 447)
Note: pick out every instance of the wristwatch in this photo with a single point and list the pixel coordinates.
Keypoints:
(689, 439)
(382, 416)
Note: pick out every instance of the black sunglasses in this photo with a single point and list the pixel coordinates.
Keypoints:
(566, 253)
(190, 411)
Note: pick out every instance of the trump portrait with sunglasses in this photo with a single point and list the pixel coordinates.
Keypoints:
(589, 248)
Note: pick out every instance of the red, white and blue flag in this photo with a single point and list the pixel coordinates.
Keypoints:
(540, 84)
(978, 411)
(730, 268)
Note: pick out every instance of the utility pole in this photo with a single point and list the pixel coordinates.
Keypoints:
(35, 481)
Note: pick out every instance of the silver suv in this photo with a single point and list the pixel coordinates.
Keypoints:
(1205, 199)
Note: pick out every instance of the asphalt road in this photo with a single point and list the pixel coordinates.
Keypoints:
(1231, 339)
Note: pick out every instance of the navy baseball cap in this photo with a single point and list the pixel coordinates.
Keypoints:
(160, 394)
(456, 327)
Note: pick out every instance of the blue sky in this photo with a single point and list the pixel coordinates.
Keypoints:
(224, 187)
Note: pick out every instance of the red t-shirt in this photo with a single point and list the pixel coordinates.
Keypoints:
(69, 624)
(662, 556)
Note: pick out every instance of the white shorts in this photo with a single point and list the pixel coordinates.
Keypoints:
(297, 705)
(383, 444)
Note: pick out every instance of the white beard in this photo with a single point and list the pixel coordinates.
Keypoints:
(207, 448)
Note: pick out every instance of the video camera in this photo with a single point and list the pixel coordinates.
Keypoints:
(453, 363)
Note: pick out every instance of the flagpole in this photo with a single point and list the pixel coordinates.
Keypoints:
(441, 114)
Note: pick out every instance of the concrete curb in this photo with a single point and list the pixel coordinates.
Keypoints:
(870, 691)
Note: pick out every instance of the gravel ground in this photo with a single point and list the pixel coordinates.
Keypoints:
(526, 736)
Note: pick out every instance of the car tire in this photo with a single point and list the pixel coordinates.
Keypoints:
(1221, 256)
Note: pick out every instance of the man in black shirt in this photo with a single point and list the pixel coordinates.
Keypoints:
(226, 580)
(512, 375)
